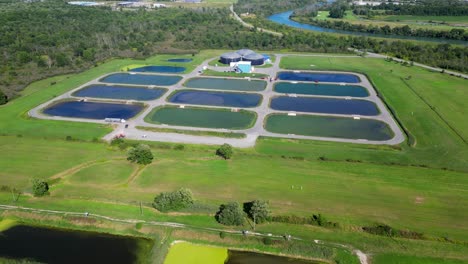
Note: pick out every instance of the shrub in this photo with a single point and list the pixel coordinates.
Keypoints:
(139, 225)
(3, 98)
(40, 188)
(176, 200)
(225, 151)
(116, 141)
(179, 147)
(140, 154)
(222, 234)
(230, 214)
(267, 241)
(257, 210)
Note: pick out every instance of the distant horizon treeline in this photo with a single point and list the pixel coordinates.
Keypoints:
(48, 38)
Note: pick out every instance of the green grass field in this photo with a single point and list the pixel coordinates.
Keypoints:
(415, 22)
(419, 186)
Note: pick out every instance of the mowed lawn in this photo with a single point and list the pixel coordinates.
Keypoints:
(358, 193)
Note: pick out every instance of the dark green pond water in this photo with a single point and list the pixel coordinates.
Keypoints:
(226, 84)
(216, 98)
(200, 117)
(64, 246)
(141, 79)
(326, 126)
(325, 105)
(243, 257)
(321, 89)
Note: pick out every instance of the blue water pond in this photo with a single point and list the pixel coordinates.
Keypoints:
(321, 89)
(319, 77)
(141, 79)
(93, 110)
(324, 105)
(161, 69)
(120, 92)
(216, 98)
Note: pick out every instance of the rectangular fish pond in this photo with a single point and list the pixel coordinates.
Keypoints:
(321, 89)
(50, 245)
(318, 77)
(93, 110)
(141, 79)
(183, 60)
(187, 253)
(120, 92)
(327, 126)
(195, 97)
(161, 69)
(227, 84)
(201, 117)
(324, 105)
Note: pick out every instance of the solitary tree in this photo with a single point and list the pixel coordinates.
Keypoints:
(259, 211)
(230, 214)
(39, 188)
(225, 151)
(140, 154)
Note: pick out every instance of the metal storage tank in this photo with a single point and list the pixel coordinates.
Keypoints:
(229, 57)
(245, 52)
(255, 59)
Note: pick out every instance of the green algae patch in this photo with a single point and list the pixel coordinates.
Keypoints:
(6, 224)
(187, 253)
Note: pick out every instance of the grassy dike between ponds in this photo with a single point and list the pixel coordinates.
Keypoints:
(155, 241)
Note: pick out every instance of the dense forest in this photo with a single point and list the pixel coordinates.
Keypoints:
(48, 38)
(455, 34)
(267, 8)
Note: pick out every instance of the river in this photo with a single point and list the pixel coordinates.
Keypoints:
(283, 19)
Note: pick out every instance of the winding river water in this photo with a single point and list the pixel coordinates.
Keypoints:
(283, 19)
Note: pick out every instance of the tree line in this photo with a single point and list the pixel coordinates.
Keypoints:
(423, 8)
(455, 33)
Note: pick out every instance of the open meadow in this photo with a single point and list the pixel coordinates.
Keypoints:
(420, 185)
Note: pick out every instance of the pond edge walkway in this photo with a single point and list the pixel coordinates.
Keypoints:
(363, 258)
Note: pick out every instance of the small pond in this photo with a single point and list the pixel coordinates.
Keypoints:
(216, 98)
(179, 60)
(120, 92)
(201, 117)
(325, 105)
(327, 126)
(318, 77)
(141, 79)
(161, 69)
(93, 110)
(226, 84)
(48, 245)
(321, 89)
